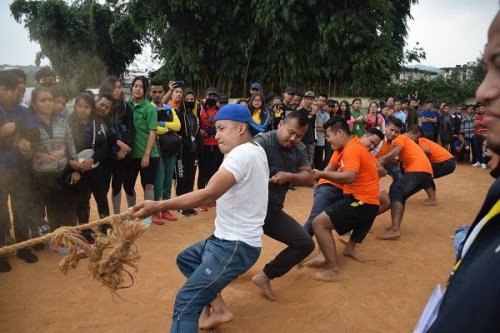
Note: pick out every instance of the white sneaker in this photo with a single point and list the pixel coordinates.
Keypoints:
(476, 165)
(483, 166)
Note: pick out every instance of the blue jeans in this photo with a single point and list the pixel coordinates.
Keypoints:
(324, 196)
(209, 266)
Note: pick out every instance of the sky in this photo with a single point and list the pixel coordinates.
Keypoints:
(452, 32)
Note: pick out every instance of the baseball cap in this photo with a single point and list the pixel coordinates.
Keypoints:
(256, 85)
(223, 98)
(239, 113)
(211, 90)
(290, 90)
(309, 93)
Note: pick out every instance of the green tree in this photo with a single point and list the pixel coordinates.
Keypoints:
(84, 40)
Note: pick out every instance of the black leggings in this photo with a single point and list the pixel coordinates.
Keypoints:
(114, 174)
(92, 182)
(133, 168)
(185, 170)
(209, 162)
(283, 228)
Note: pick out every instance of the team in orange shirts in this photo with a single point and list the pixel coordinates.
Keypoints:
(358, 208)
(417, 176)
(442, 162)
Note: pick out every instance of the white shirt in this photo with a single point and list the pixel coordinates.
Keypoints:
(242, 209)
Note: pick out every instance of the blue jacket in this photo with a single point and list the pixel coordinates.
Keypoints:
(11, 158)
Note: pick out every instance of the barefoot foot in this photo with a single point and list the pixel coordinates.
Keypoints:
(429, 202)
(391, 234)
(345, 238)
(327, 275)
(353, 254)
(215, 319)
(316, 262)
(264, 283)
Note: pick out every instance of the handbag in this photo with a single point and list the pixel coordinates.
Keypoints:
(170, 143)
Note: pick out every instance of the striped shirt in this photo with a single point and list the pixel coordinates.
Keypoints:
(54, 137)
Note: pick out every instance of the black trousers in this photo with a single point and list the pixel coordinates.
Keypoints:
(319, 157)
(16, 185)
(92, 182)
(209, 162)
(185, 171)
(148, 175)
(114, 174)
(57, 198)
(282, 227)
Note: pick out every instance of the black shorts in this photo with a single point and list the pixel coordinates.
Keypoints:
(444, 168)
(347, 214)
(409, 184)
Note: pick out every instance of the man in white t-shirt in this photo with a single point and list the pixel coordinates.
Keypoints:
(240, 187)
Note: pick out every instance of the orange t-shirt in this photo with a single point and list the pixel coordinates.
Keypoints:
(385, 148)
(334, 160)
(412, 157)
(437, 154)
(355, 157)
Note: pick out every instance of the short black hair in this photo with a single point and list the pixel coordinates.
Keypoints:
(44, 72)
(8, 80)
(59, 91)
(461, 133)
(395, 121)
(19, 73)
(337, 123)
(300, 116)
(325, 95)
(416, 129)
(375, 131)
(356, 99)
(157, 82)
(107, 96)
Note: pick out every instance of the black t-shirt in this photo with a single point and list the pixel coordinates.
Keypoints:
(281, 159)
(472, 300)
(309, 136)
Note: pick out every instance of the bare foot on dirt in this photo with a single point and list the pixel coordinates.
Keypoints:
(215, 319)
(316, 262)
(389, 235)
(345, 238)
(327, 275)
(429, 202)
(264, 283)
(353, 254)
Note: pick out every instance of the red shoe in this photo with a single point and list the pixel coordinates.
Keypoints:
(213, 205)
(204, 208)
(168, 216)
(157, 219)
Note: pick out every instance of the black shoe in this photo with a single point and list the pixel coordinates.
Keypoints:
(187, 212)
(39, 247)
(105, 227)
(4, 265)
(27, 256)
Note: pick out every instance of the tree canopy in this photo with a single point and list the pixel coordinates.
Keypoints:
(336, 46)
(84, 40)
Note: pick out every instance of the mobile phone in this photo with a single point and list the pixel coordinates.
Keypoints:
(179, 84)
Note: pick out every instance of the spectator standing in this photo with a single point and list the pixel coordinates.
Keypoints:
(428, 118)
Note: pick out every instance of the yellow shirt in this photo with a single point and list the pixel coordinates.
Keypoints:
(256, 116)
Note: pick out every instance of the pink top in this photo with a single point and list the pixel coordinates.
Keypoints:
(370, 121)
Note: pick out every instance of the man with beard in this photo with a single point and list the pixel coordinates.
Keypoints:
(288, 164)
(471, 301)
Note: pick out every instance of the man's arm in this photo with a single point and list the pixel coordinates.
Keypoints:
(390, 155)
(344, 177)
(302, 178)
(219, 184)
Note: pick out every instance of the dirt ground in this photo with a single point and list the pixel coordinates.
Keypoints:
(385, 294)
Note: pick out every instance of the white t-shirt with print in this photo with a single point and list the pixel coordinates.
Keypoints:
(242, 209)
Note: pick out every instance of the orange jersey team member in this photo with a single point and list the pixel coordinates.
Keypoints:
(442, 162)
(358, 208)
(325, 193)
(417, 176)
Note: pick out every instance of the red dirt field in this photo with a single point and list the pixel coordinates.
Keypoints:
(385, 294)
